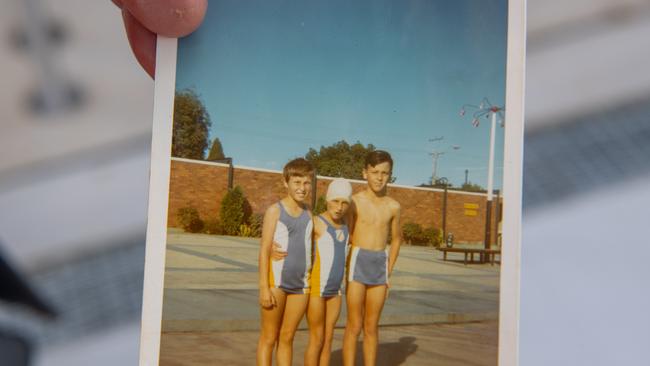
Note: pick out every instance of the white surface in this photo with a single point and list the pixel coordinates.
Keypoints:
(545, 15)
(116, 346)
(603, 69)
(95, 56)
(584, 281)
(52, 217)
(57, 219)
(512, 189)
(161, 146)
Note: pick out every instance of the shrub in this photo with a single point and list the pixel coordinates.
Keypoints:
(232, 211)
(321, 205)
(432, 236)
(245, 230)
(213, 227)
(255, 223)
(411, 232)
(248, 210)
(190, 220)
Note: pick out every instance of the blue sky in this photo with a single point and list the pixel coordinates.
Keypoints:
(281, 76)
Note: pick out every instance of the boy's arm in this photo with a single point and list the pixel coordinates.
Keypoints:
(271, 217)
(318, 231)
(396, 237)
(351, 216)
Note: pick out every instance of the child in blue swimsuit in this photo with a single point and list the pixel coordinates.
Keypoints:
(331, 238)
(284, 284)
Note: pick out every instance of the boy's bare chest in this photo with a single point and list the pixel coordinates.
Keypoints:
(373, 214)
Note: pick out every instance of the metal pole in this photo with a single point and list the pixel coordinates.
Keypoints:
(466, 176)
(435, 168)
(231, 173)
(490, 186)
(497, 215)
(488, 213)
(444, 214)
(435, 154)
(434, 176)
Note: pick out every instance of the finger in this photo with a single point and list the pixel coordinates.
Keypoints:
(170, 18)
(273, 302)
(142, 41)
(279, 255)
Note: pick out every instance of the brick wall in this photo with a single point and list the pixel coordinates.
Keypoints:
(202, 186)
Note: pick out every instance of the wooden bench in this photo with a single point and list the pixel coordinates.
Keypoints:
(485, 255)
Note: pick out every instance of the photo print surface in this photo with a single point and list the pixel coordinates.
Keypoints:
(335, 188)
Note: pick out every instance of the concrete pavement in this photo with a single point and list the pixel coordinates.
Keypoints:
(211, 284)
(210, 299)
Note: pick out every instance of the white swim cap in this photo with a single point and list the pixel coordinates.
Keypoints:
(339, 188)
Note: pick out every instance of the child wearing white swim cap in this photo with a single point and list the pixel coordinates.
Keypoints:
(339, 188)
(331, 239)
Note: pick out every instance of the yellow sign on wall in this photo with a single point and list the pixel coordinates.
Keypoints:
(471, 212)
(471, 206)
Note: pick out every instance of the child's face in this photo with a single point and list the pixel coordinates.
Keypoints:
(337, 208)
(298, 187)
(377, 176)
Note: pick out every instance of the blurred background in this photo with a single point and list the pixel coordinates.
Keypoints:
(75, 130)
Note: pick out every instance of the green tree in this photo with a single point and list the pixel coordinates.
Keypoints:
(340, 159)
(232, 211)
(439, 183)
(191, 125)
(471, 187)
(321, 205)
(216, 151)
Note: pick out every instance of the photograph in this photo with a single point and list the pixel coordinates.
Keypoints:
(328, 186)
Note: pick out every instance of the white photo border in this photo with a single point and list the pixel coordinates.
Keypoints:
(166, 57)
(154, 263)
(513, 155)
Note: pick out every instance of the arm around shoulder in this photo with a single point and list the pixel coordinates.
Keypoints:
(319, 227)
(271, 217)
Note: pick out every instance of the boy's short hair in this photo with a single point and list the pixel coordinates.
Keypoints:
(377, 157)
(299, 167)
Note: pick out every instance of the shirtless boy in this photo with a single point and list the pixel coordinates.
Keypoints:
(331, 237)
(284, 284)
(375, 217)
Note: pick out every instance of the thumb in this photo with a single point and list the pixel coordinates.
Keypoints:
(170, 18)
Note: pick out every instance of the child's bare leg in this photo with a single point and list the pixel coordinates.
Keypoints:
(316, 322)
(270, 328)
(294, 310)
(333, 309)
(355, 299)
(375, 297)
